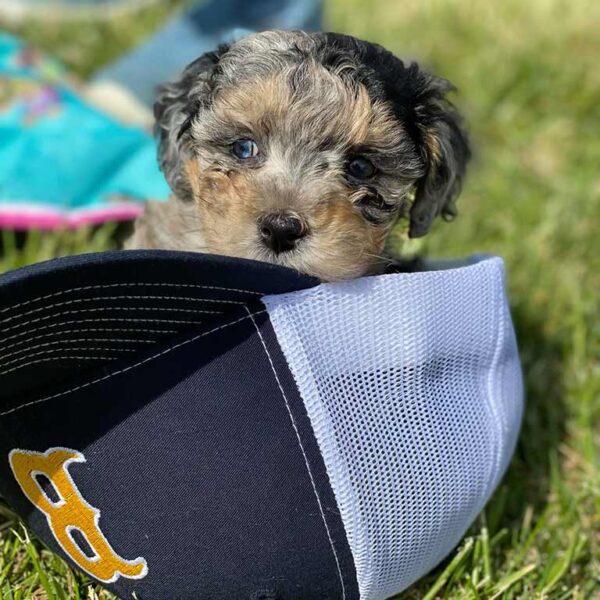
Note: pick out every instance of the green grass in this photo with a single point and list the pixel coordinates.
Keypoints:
(530, 85)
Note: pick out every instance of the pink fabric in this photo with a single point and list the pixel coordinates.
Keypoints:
(38, 217)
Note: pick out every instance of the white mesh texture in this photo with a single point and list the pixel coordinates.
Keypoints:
(413, 386)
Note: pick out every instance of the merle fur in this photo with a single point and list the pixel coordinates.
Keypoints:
(418, 99)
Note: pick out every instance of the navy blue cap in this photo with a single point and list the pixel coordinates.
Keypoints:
(151, 432)
(182, 426)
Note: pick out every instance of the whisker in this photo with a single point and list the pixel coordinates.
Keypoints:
(384, 259)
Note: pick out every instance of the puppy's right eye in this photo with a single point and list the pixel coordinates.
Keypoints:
(360, 167)
(245, 149)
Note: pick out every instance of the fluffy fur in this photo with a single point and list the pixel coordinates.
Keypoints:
(311, 103)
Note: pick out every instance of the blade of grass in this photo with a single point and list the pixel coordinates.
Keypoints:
(509, 580)
(461, 555)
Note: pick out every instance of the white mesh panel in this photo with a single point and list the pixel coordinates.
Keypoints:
(412, 384)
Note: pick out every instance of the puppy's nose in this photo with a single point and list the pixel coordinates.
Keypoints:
(281, 231)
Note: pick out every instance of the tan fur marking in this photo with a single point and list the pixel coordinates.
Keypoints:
(250, 104)
(433, 145)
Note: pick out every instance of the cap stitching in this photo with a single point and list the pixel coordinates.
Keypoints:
(130, 367)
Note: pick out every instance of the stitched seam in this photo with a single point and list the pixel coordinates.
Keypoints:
(312, 481)
(332, 444)
(67, 357)
(101, 320)
(129, 368)
(122, 297)
(77, 340)
(74, 349)
(70, 331)
(107, 308)
(113, 285)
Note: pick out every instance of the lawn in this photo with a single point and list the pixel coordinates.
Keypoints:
(530, 84)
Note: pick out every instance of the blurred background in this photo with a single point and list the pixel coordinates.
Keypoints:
(529, 83)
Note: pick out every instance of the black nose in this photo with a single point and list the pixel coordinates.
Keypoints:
(281, 231)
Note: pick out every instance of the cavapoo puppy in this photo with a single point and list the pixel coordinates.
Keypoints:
(303, 149)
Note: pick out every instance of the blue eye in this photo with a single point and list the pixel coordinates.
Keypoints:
(360, 167)
(245, 149)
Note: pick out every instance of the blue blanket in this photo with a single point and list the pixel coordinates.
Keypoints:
(62, 162)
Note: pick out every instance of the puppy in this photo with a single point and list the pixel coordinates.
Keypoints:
(303, 150)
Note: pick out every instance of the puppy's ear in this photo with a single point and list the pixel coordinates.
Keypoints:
(177, 105)
(444, 147)
(419, 101)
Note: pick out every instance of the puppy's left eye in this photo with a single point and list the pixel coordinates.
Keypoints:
(360, 167)
(245, 148)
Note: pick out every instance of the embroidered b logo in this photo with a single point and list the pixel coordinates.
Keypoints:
(73, 522)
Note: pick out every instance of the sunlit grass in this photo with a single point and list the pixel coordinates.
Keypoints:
(530, 85)
(86, 44)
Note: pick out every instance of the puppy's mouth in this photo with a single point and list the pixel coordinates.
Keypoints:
(302, 256)
(286, 258)
(306, 249)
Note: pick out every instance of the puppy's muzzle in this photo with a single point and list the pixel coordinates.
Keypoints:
(281, 231)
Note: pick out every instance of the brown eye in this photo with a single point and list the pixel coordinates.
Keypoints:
(360, 167)
(245, 149)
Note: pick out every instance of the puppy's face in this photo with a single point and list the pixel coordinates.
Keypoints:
(304, 176)
(303, 150)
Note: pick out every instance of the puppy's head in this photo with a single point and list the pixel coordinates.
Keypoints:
(304, 149)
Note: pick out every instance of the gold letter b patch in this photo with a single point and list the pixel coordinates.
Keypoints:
(69, 516)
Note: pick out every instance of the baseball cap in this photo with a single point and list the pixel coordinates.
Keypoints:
(188, 426)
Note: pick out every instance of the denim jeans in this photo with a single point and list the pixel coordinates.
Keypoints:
(201, 29)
